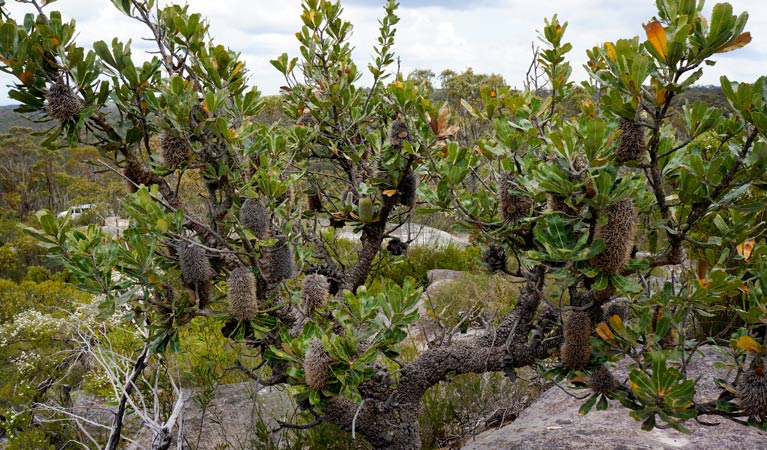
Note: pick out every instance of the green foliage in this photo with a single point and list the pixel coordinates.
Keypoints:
(452, 412)
(694, 189)
(421, 259)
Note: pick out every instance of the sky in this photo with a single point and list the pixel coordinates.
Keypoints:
(490, 36)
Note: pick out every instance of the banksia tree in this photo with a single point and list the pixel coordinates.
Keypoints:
(241, 292)
(315, 290)
(576, 350)
(697, 187)
(618, 235)
(631, 146)
(63, 103)
(316, 365)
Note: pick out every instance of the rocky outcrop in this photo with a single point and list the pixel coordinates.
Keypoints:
(240, 415)
(553, 422)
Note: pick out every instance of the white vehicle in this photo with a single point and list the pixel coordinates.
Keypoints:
(76, 211)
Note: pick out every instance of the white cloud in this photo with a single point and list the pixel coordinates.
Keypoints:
(491, 36)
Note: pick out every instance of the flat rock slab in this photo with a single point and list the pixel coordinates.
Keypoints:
(417, 235)
(553, 422)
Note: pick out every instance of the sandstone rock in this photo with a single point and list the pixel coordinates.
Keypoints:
(239, 415)
(553, 422)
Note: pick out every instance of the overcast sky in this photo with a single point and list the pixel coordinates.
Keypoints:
(491, 36)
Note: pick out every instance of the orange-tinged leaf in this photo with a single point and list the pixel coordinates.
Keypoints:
(616, 322)
(661, 96)
(740, 41)
(749, 344)
(389, 192)
(657, 37)
(611, 51)
(633, 385)
(745, 248)
(604, 332)
(26, 77)
(205, 107)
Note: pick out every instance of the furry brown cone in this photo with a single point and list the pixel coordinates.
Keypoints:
(632, 145)
(315, 289)
(495, 258)
(63, 104)
(602, 381)
(175, 151)
(136, 175)
(241, 292)
(278, 263)
(512, 206)
(752, 391)
(399, 133)
(618, 234)
(196, 272)
(576, 350)
(316, 365)
(255, 217)
(314, 201)
(408, 189)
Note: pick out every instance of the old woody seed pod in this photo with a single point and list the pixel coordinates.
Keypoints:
(63, 104)
(316, 365)
(618, 234)
(241, 292)
(315, 289)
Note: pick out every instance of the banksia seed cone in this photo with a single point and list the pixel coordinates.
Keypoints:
(398, 133)
(306, 119)
(752, 392)
(494, 258)
(196, 272)
(137, 175)
(366, 209)
(241, 292)
(314, 201)
(618, 234)
(63, 104)
(279, 264)
(408, 189)
(334, 277)
(255, 217)
(632, 141)
(316, 365)
(576, 350)
(315, 289)
(513, 206)
(175, 151)
(602, 381)
(195, 267)
(396, 247)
